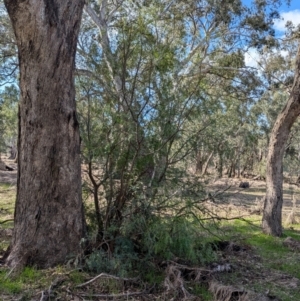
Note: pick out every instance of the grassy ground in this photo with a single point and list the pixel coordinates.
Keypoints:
(260, 263)
(7, 200)
(266, 265)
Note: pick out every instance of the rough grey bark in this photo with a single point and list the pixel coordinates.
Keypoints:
(272, 217)
(49, 220)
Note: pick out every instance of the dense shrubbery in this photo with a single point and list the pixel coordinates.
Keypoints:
(146, 245)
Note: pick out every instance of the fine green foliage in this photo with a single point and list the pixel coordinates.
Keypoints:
(162, 240)
(177, 238)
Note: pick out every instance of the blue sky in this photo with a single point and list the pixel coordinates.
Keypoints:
(295, 4)
(287, 13)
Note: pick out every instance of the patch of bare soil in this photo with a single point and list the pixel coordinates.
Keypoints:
(229, 192)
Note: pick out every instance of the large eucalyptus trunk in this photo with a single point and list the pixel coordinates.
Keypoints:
(49, 221)
(272, 217)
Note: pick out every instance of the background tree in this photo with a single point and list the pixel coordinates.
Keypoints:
(163, 84)
(8, 50)
(8, 73)
(48, 214)
(9, 99)
(272, 217)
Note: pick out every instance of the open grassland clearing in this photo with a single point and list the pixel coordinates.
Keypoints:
(238, 258)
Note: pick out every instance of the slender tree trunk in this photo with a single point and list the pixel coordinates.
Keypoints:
(100, 226)
(239, 162)
(199, 163)
(206, 164)
(229, 171)
(220, 166)
(272, 219)
(49, 221)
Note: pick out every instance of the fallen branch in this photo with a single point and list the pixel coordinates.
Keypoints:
(42, 296)
(104, 275)
(8, 220)
(48, 294)
(182, 266)
(112, 296)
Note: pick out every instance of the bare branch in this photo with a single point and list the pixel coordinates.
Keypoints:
(104, 275)
(6, 221)
(112, 296)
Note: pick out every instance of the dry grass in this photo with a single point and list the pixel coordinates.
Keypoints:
(247, 198)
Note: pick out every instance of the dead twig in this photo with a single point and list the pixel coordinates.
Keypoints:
(174, 283)
(112, 296)
(104, 275)
(42, 296)
(6, 221)
(47, 294)
(182, 266)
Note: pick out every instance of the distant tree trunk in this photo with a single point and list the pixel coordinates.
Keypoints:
(206, 164)
(272, 216)
(220, 165)
(49, 221)
(16, 158)
(243, 170)
(239, 162)
(199, 163)
(231, 169)
(13, 152)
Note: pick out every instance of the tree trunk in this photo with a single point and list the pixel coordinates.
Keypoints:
(49, 221)
(13, 152)
(220, 166)
(199, 163)
(272, 219)
(206, 164)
